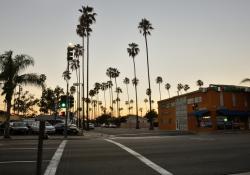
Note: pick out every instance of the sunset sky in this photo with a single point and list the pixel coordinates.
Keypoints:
(191, 40)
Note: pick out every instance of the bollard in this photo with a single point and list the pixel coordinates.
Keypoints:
(40, 148)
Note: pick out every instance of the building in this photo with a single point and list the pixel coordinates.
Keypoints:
(207, 109)
(131, 122)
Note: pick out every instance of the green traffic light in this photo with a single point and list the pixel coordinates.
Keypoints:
(63, 105)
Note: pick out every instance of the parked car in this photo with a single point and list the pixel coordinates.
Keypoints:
(91, 126)
(112, 125)
(49, 129)
(72, 129)
(18, 128)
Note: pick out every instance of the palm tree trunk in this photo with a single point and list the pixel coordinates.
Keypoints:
(105, 103)
(168, 94)
(87, 81)
(78, 95)
(160, 90)
(136, 101)
(150, 105)
(7, 124)
(83, 96)
(117, 105)
(128, 97)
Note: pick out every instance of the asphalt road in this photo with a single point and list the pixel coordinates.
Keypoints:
(93, 153)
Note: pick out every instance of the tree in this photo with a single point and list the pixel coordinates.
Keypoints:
(126, 81)
(86, 19)
(114, 73)
(47, 101)
(145, 28)
(179, 88)
(159, 81)
(10, 69)
(133, 51)
(104, 87)
(199, 83)
(168, 86)
(246, 80)
(186, 87)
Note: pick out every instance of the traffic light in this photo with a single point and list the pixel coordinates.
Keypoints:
(70, 53)
(63, 101)
(71, 101)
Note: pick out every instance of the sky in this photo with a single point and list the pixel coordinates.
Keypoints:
(191, 40)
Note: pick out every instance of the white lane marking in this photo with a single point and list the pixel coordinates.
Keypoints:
(52, 167)
(22, 161)
(246, 173)
(143, 137)
(142, 158)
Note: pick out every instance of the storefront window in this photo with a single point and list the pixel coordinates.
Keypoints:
(205, 122)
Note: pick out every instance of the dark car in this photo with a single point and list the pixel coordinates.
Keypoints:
(72, 129)
(18, 128)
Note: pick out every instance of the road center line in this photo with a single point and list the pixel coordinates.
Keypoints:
(52, 167)
(21, 161)
(142, 158)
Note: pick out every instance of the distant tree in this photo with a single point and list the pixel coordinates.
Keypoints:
(159, 81)
(126, 81)
(179, 88)
(199, 83)
(168, 86)
(186, 87)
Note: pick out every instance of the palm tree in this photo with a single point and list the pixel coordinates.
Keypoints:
(104, 87)
(186, 87)
(159, 81)
(113, 73)
(10, 76)
(133, 51)
(110, 85)
(141, 109)
(131, 102)
(179, 88)
(126, 81)
(199, 83)
(145, 27)
(118, 91)
(168, 86)
(246, 80)
(109, 73)
(86, 19)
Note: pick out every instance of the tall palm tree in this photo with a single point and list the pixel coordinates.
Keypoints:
(116, 74)
(97, 87)
(109, 73)
(126, 81)
(86, 19)
(10, 69)
(186, 87)
(131, 102)
(133, 51)
(159, 81)
(199, 83)
(145, 27)
(168, 86)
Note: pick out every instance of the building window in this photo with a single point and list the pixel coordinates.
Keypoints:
(205, 122)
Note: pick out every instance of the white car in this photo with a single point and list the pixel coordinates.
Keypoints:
(49, 129)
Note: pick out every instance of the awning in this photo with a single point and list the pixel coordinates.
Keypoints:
(233, 113)
(200, 113)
